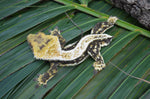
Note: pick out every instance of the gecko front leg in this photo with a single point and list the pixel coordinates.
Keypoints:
(101, 27)
(94, 48)
(94, 52)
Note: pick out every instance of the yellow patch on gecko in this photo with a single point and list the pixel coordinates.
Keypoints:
(44, 45)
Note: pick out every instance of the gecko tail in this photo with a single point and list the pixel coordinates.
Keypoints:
(45, 77)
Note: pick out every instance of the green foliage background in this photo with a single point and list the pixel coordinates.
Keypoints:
(129, 50)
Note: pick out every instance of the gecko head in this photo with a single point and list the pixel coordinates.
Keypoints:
(106, 40)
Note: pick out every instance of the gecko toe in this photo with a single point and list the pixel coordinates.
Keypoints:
(98, 66)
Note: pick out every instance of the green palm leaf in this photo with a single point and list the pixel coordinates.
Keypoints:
(129, 50)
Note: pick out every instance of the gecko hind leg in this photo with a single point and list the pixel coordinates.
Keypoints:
(45, 77)
(56, 32)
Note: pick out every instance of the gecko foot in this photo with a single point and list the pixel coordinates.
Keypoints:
(98, 66)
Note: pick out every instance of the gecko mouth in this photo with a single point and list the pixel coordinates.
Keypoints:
(108, 40)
